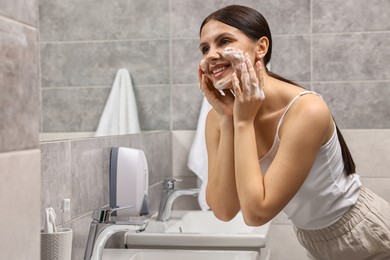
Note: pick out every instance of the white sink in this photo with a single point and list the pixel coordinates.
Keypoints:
(206, 223)
(159, 254)
(201, 230)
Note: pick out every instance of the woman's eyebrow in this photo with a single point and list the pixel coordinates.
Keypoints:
(202, 44)
(219, 36)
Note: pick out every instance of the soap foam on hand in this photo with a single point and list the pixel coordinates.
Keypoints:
(236, 57)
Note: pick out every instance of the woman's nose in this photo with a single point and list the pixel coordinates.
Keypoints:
(213, 54)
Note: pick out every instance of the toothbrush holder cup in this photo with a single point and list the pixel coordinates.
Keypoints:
(57, 245)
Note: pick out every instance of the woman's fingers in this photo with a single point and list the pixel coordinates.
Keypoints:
(260, 75)
(205, 88)
(203, 83)
(245, 79)
(254, 82)
(251, 70)
(251, 79)
(236, 85)
(200, 73)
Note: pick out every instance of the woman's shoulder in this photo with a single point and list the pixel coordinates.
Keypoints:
(300, 100)
(309, 113)
(310, 104)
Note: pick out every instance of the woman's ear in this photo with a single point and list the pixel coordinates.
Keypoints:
(262, 47)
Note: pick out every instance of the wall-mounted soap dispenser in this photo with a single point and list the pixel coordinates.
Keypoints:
(129, 181)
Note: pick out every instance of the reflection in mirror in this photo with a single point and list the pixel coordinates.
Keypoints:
(81, 49)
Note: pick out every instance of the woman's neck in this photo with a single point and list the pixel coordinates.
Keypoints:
(277, 96)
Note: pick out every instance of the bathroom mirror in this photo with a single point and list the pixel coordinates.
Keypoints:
(83, 45)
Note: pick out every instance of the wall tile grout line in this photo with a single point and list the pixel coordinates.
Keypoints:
(311, 45)
(39, 58)
(102, 41)
(352, 81)
(170, 67)
(195, 84)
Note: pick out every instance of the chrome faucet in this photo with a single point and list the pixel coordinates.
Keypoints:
(102, 227)
(169, 196)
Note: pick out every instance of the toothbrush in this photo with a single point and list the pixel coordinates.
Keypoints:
(65, 208)
(48, 225)
(52, 216)
(50, 221)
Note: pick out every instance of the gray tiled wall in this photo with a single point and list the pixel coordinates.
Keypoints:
(79, 170)
(347, 17)
(333, 48)
(19, 131)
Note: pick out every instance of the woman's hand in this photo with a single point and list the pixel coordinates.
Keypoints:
(223, 104)
(249, 95)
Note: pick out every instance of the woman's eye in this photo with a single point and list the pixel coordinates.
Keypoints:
(204, 50)
(225, 41)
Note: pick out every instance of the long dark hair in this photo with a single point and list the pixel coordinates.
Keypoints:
(254, 26)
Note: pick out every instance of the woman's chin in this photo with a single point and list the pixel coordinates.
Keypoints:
(223, 84)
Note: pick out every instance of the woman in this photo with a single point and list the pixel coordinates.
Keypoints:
(273, 146)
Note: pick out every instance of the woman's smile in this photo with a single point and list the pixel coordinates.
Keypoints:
(219, 71)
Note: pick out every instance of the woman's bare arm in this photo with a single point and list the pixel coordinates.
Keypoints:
(221, 192)
(305, 128)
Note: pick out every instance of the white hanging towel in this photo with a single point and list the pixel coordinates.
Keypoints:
(120, 115)
(197, 158)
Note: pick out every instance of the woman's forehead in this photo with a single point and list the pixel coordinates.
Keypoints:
(213, 29)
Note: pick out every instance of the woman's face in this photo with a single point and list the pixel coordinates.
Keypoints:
(214, 38)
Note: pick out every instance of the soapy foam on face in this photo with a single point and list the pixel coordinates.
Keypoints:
(218, 85)
(203, 65)
(222, 84)
(234, 55)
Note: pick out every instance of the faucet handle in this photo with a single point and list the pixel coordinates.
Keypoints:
(104, 214)
(169, 183)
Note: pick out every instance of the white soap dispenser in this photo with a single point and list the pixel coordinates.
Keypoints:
(129, 181)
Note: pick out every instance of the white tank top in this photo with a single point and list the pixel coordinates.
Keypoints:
(327, 193)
